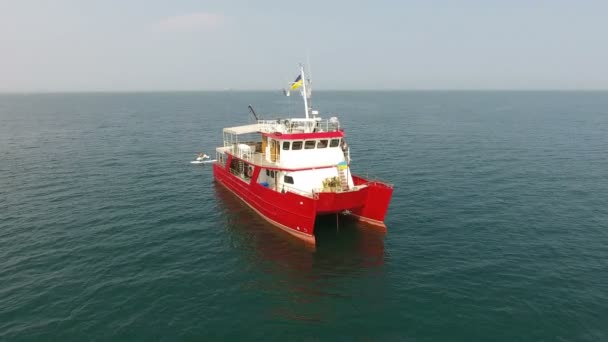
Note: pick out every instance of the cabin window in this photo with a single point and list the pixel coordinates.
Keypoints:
(322, 143)
(334, 143)
(248, 170)
(221, 160)
(296, 145)
(288, 179)
(310, 144)
(286, 145)
(267, 172)
(272, 173)
(234, 165)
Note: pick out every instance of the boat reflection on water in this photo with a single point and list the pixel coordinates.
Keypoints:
(304, 276)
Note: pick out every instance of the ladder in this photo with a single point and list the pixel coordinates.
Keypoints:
(343, 179)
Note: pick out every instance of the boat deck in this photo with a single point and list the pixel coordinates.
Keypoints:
(255, 158)
(258, 159)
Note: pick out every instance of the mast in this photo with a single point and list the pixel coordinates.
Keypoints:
(304, 92)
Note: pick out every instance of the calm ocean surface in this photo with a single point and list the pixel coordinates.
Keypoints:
(498, 228)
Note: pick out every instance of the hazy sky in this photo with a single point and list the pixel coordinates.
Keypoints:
(79, 45)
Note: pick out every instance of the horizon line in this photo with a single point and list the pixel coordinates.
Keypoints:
(34, 92)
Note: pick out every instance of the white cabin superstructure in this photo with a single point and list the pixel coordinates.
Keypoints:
(303, 155)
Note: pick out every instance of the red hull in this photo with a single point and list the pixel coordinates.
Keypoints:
(296, 214)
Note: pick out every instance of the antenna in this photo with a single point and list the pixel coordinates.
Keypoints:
(304, 91)
(309, 69)
(253, 112)
(308, 64)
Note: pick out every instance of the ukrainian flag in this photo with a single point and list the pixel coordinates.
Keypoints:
(297, 83)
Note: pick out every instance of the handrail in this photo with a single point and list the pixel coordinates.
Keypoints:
(239, 152)
(370, 179)
(297, 191)
(299, 125)
(338, 189)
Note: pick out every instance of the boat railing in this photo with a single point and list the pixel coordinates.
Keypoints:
(299, 125)
(251, 156)
(365, 178)
(285, 187)
(246, 154)
(338, 189)
(242, 151)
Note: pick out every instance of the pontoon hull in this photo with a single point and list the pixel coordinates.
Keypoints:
(296, 214)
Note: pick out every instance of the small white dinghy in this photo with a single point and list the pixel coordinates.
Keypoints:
(203, 159)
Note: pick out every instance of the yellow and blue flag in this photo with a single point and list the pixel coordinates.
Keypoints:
(297, 83)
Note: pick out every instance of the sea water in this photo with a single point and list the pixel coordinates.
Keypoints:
(497, 230)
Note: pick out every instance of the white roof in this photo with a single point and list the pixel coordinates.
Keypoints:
(243, 129)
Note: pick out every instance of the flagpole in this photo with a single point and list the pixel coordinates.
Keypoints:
(304, 93)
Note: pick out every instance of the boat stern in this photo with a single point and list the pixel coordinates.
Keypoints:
(368, 201)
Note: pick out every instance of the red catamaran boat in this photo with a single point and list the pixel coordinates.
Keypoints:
(291, 170)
